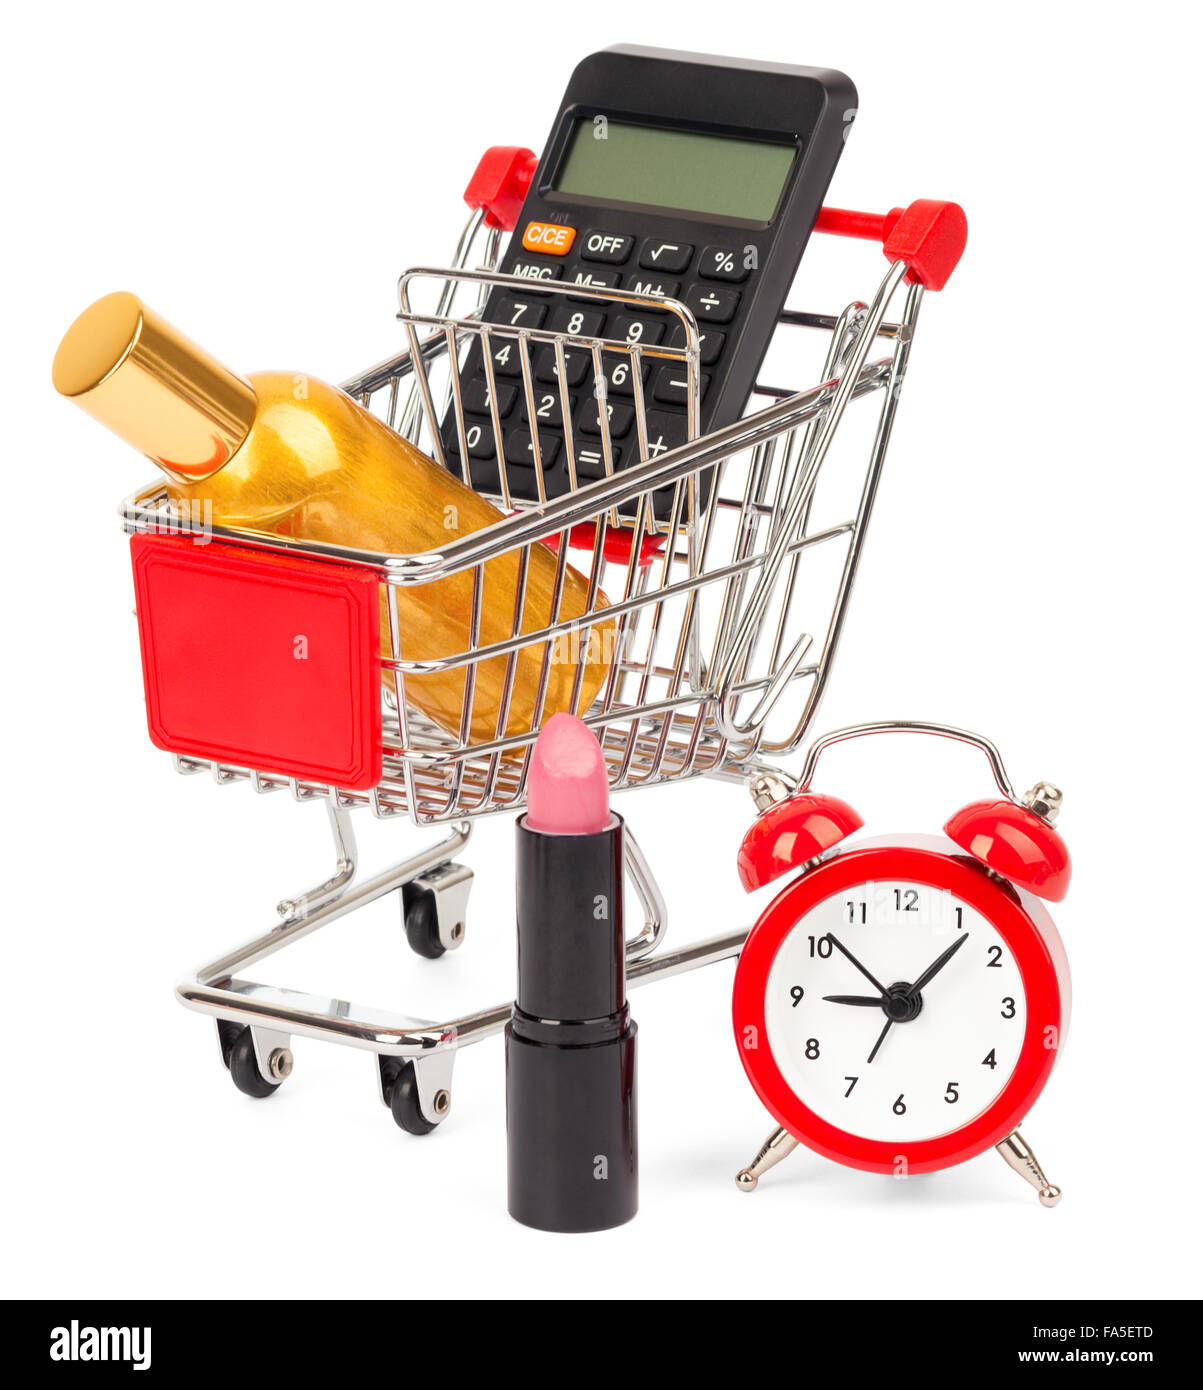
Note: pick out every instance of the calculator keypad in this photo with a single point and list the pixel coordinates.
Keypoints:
(606, 257)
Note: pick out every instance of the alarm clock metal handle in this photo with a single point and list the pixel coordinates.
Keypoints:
(908, 726)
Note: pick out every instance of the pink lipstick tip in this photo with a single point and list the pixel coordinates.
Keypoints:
(568, 788)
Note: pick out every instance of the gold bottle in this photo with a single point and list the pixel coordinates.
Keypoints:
(290, 456)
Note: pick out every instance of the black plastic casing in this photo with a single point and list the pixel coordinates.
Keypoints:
(808, 109)
(570, 1042)
(811, 109)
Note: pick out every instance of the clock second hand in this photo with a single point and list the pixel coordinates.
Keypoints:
(880, 1039)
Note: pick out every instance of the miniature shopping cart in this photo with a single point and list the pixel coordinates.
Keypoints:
(720, 561)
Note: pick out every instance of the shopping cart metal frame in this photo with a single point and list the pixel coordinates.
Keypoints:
(698, 726)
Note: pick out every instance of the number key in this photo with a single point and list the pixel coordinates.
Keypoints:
(580, 323)
(548, 410)
(478, 435)
(588, 418)
(507, 359)
(576, 364)
(517, 313)
(629, 329)
(476, 397)
(620, 373)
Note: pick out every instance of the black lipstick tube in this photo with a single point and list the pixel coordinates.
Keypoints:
(570, 1042)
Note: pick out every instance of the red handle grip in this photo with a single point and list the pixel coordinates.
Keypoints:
(929, 236)
(500, 183)
(616, 548)
(866, 226)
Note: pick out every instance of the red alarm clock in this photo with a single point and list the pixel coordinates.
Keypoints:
(901, 1003)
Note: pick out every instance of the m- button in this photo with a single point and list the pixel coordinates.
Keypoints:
(548, 237)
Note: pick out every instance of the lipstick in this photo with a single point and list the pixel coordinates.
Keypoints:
(570, 1042)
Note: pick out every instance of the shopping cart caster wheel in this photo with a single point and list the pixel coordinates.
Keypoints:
(422, 926)
(403, 1102)
(244, 1068)
(435, 907)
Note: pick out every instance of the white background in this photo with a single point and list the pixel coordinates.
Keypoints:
(261, 174)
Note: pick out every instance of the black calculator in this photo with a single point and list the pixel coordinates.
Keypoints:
(678, 175)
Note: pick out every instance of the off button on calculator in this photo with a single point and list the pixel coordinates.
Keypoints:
(607, 247)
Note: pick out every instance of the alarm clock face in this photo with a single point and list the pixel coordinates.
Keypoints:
(898, 1009)
(908, 1063)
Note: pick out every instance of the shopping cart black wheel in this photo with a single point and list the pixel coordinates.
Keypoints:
(422, 924)
(403, 1102)
(244, 1068)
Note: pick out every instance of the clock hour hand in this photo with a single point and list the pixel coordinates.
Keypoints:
(844, 951)
(937, 965)
(864, 1000)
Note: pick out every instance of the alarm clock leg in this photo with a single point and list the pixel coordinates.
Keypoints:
(777, 1146)
(1018, 1154)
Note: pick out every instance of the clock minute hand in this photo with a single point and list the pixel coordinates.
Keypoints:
(937, 965)
(844, 951)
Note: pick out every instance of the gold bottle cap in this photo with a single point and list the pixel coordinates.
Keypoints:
(145, 381)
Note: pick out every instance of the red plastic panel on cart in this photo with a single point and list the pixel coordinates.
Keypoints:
(260, 661)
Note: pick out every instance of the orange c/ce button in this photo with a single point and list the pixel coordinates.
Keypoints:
(548, 237)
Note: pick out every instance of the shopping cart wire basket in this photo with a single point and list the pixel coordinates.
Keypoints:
(696, 561)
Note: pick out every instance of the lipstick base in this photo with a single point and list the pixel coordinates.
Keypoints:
(570, 1131)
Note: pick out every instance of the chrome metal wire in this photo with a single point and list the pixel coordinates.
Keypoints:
(698, 555)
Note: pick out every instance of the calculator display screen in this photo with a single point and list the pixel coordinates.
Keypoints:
(678, 169)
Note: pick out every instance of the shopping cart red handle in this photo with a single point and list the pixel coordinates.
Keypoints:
(500, 184)
(616, 548)
(929, 236)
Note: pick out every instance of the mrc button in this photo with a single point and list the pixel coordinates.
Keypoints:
(548, 237)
